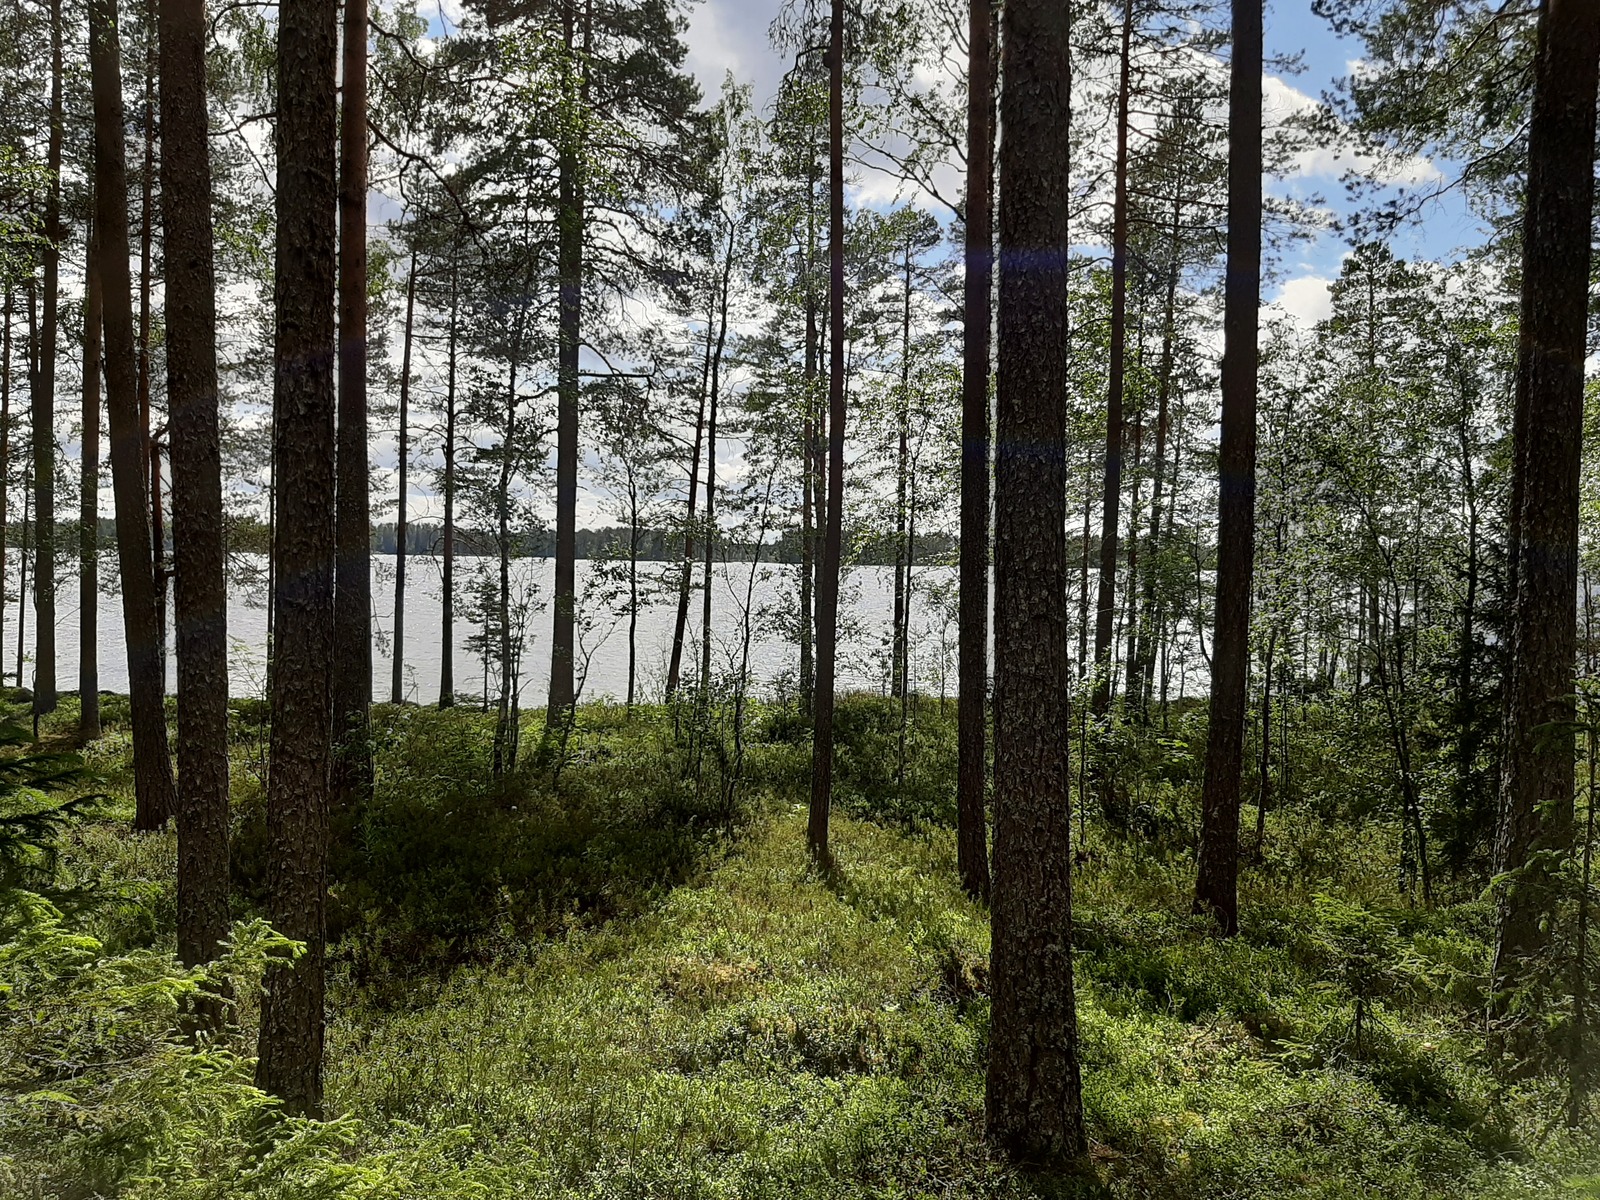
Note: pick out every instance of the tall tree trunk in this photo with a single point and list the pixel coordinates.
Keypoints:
(89, 506)
(22, 583)
(292, 1022)
(151, 444)
(1033, 1095)
(810, 480)
(723, 286)
(1536, 808)
(897, 642)
(972, 834)
(570, 233)
(1155, 620)
(828, 577)
(507, 717)
(352, 608)
(1105, 610)
(447, 583)
(152, 766)
(686, 579)
(397, 674)
(200, 595)
(44, 400)
(1217, 881)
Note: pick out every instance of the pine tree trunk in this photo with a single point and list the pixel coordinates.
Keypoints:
(1536, 806)
(686, 578)
(44, 399)
(152, 448)
(397, 674)
(717, 353)
(152, 765)
(808, 473)
(352, 613)
(89, 507)
(1033, 1096)
(1217, 882)
(828, 575)
(1106, 603)
(200, 595)
(570, 233)
(447, 550)
(972, 834)
(292, 1021)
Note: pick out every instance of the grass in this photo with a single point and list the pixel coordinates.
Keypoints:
(720, 1021)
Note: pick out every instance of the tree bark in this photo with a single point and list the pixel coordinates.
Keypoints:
(1033, 1096)
(972, 834)
(397, 674)
(447, 582)
(200, 594)
(152, 765)
(151, 446)
(43, 398)
(1536, 806)
(570, 233)
(1217, 881)
(352, 608)
(1106, 602)
(828, 575)
(89, 506)
(290, 1054)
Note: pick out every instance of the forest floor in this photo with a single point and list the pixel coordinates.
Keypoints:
(727, 1022)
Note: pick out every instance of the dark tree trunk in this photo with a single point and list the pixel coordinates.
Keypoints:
(809, 451)
(1217, 882)
(902, 601)
(828, 574)
(152, 766)
(1033, 1097)
(686, 579)
(290, 1062)
(152, 447)
(723, 286)
(352, 611)
(447, 550)
(1536, 807)
(397, 674)
(89, 507)
(43, 398)
(570, 232)
(200, 595)
(972, 834)
(1106, 603)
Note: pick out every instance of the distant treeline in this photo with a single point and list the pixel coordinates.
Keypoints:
(655, 545)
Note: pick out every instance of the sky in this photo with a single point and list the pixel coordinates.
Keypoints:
(731, 36)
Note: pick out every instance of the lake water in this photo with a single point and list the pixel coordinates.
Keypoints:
(866, 610)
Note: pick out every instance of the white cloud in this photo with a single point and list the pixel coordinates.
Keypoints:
(1306, 300)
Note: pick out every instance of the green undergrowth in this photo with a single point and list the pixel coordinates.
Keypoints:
(609, 982)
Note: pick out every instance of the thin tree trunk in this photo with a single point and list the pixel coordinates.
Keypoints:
(1217, 881)
(1033, 1095)
(44, 400)
(447, 585)
(292, 1021)
(897, 642)
(1106, 602)
(22, 585)
(1536, 784)
(153, 786)
(200, 594)
(352, 613)
(711, 469)
(809, 451)
(152, 448)
(89, 505)
(686, 578)
(828, 581)
(397, 672)
(972, 833)
(570, 233)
